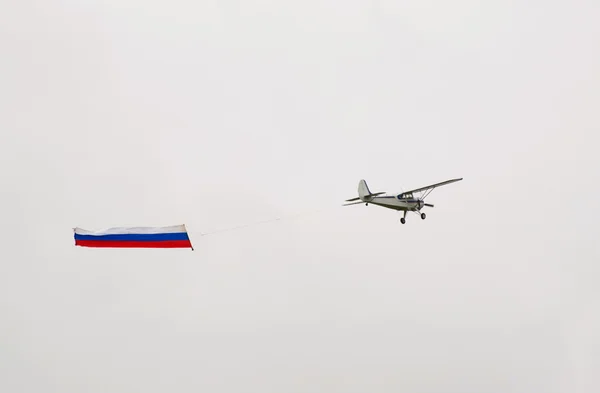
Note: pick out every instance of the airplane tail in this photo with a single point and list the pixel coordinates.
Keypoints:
(363, 190)
(364, 194)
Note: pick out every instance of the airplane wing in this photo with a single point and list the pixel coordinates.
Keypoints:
(432, 186)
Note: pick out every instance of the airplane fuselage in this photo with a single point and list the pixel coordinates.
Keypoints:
(395, 203)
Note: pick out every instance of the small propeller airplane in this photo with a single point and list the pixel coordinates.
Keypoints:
(406, 201)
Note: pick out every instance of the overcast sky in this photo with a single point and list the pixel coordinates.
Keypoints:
(222, 113)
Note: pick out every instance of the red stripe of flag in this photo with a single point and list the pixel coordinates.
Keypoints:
(134, 244)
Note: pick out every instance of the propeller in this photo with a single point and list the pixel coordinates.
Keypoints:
(423, 204)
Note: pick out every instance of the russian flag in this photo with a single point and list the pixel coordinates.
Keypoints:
(135, 237)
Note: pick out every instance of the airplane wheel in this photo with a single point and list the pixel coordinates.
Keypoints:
(402, 220)
(423, 216)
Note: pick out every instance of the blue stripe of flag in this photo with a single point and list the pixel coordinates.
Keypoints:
(149, 237)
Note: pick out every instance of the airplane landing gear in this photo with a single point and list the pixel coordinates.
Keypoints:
(423, 216)
(403, 220)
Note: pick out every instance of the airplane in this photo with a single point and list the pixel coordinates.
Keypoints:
(406, 201)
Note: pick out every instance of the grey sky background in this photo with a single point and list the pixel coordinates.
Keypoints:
(222, 113)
